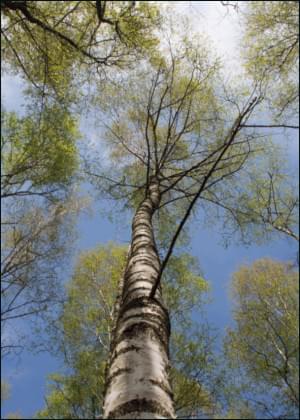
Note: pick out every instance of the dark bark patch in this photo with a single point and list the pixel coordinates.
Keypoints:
(147, 238)
(140, 277)
(144, 328)
(118, 372)
(139, 404)
(161, 385)
(144, 302)
(146, 224)
(143, 259)
(124, 350)
(155, 318)
(129, 292)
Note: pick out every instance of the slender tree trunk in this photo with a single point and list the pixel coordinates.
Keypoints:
(137, 384)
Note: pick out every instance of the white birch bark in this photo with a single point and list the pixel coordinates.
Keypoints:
(137, 383)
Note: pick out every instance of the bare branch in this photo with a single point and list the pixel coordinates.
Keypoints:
(235, 129)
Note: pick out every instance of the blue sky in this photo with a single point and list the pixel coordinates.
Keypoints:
(27, 375)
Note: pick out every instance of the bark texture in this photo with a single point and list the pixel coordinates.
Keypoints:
(137, 384)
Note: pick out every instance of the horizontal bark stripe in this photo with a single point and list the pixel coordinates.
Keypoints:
(144, 302)
(142, 415)
(141, 266)
(138, 277)
(144, 404)
(154, 321)
(146, 309)
(116, 373)
(142, 370)
(149, 248)
(142, 221)
(136, 292)
(143, 259)
(144, 328)
(144, 289)
(142, 234)
(124, 349)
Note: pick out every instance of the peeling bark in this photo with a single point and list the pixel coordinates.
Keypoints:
(137, 382)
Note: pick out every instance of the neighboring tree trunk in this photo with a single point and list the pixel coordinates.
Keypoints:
(137, 384)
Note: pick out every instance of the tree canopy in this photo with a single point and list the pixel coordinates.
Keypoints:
(38, 162)
(263, 345)
(177, 141)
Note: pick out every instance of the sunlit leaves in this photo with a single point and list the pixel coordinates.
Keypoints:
(88, 313)
(264, 341)
(39, 149)
(271, 50)
(57, 46)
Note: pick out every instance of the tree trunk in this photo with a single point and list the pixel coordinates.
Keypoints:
(137, 384)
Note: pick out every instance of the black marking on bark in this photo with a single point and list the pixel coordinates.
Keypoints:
(132, 347)
(154, 317)
(146, 289)
(149, 248)
(162, 386)
(140, 277)
(145, 250)
(139, 404)
(141, 257)
(148, 238)
(140, 237)
(144, 253)
(129, 274)
(146, 303)
(141, 222)
(118, 372)
(145, 309)
(133, 330)
(145, 260)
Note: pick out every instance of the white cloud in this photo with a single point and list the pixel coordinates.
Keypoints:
(219, 23)
(11, 88)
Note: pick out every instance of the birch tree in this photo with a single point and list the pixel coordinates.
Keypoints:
(263, 345)
(172, 142)
(38, 162)
(82, 335)
(271, 49)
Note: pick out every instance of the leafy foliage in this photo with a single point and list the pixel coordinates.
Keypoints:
(263, 346)
(271, 49)
(38, 149)
(57, 45)
(39, 161)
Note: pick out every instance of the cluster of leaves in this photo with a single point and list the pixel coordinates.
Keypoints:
(263, 346)
(38, 149)
(57, 45)
(271, 50)
(38, 163)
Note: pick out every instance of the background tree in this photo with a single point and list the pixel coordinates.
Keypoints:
(272, 50)
(263, 347)
(86, 325)
(60, 46)
(39, 159)
(267, 203)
